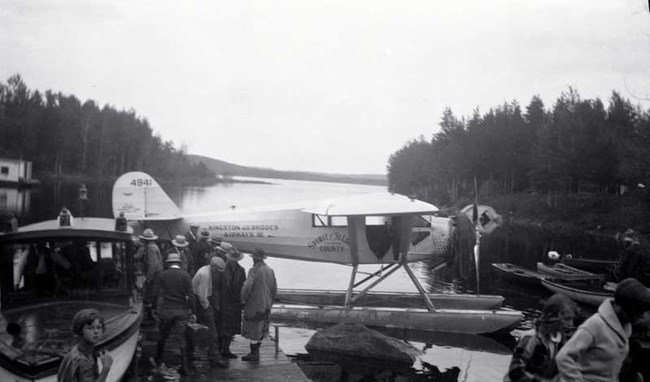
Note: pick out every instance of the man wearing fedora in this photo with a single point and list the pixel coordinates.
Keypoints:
(202, 249)
(152, 260)
(181, 246)
(174, 287)
(257, 295)
(206, 308)
(231, 306)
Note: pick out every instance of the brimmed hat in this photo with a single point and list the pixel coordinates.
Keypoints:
(234, 255)
(218, 263)
(216, 240)
(148, 235)
(180, 241)
(173, 258)
(204, 233)
(631, 294)
(258, 254)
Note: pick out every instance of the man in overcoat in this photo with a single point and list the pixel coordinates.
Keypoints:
(231, 306)
(257, 295)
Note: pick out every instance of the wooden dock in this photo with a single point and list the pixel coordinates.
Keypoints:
(273, 366)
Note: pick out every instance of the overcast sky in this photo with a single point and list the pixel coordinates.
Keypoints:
(317, 85)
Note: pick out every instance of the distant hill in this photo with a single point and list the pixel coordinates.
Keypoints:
(230, 169)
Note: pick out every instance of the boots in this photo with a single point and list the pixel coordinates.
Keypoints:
(214, 353)
(225, 348)
(254, 355)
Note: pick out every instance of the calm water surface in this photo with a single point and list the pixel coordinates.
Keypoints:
(479, 358)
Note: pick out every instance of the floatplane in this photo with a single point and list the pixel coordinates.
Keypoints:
(49, 272)
(384, 229)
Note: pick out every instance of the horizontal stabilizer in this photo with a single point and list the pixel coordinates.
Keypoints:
(374, 204)
(140, 197)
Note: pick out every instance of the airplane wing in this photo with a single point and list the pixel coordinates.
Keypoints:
(374, 204)
(140, 197)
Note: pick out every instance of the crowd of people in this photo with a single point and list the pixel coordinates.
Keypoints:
(197, 279)
(598, 350)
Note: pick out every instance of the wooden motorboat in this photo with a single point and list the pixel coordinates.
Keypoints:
(87, 265)
(440, 320)
(579, 291)
(389, 299)
(519, 274)
(568, 273)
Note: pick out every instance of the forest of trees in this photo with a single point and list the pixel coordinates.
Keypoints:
(578, 145)
(64, 136)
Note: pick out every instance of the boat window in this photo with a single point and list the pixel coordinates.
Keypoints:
(62, 270)
(422, 221)
(4, 170)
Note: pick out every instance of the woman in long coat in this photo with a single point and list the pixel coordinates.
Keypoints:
(231, 306)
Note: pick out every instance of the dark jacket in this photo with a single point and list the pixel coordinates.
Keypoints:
(174, 287)
(231, 306)
(532, 360)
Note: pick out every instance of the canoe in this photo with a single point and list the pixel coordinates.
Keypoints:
(91, 266)
(592, 265)
(441, 320)
(388, 299)
(519, 274)
(579, 292)
(568, 273)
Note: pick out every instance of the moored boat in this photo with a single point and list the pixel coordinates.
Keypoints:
(519, 274)
(592, 265)
(389, 299)
(579, 292)
(57, 271)
(568, 273)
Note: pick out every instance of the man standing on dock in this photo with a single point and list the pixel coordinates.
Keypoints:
(231, 307)
(257, 296)
(174, 286)
(149, 254)
(206, 309)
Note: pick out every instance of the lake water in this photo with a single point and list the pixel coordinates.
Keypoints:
(478, 358)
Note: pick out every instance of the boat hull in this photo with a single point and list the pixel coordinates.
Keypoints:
(587, 297)
(442, 320)
(519, 274)
(389, 299)
(567, 273)
(121, 338)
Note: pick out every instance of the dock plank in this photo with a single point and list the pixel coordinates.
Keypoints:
(273, 366)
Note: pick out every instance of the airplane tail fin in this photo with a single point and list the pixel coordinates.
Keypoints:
(140, 197)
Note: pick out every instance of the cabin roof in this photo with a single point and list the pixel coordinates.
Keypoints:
(374, 204)
(83, 228)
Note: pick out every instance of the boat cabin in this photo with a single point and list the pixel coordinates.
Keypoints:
(48, 272)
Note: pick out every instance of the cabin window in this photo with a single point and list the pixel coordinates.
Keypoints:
(375, 220)
(319, 220)
(339, 221)
(4, 170)
(329, 221)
